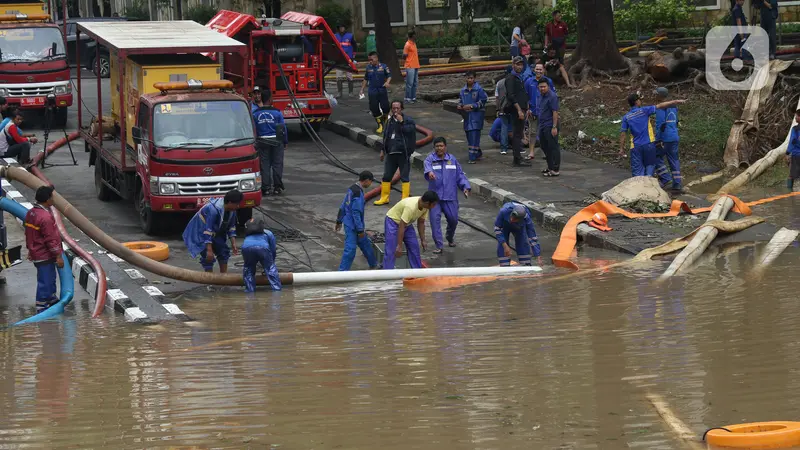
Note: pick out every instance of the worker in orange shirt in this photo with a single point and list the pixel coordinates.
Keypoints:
(412, 67)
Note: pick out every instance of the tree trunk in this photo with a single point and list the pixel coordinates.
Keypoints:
(384, 41)
(178, 9)
(663, 66)
(597, 41)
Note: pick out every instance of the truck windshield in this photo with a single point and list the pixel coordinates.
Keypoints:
(31, 44)
(202, 124)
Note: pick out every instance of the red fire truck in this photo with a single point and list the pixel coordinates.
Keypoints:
(302, 44)
(34, 72)
(177, 135)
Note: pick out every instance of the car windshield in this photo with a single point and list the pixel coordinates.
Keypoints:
(31, 44)
(202, 124)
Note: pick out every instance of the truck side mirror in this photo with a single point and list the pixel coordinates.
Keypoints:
(136, 133)
(53, 49)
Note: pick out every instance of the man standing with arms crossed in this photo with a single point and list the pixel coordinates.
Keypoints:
(412, 67)
(378, 77)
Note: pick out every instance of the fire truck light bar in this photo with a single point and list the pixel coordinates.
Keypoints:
(193, 84)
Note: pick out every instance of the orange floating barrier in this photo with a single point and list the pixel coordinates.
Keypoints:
(569, 235)
(757, 436)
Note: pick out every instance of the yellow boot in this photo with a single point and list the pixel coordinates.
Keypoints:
(379, 130)
(386, 188)
(406, 189)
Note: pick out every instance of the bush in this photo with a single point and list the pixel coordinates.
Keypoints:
(651, 15)
(201, 14)
(335, 14)
(137, 11)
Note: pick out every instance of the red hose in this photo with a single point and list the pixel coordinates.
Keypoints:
(100, 297)
(420, 143)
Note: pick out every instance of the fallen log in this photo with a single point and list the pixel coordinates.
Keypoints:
(701, 240)
(736, 154)
(663, 66)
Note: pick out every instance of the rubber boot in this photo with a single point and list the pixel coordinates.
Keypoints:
(386, 188)
(379, 130)
(790, 184)
(406, 189)
(339, 88)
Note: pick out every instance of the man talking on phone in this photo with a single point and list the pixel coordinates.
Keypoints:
(398, 144)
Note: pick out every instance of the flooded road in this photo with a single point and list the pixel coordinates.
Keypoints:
(545, 363)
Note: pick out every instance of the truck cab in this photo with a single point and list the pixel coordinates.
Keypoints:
(34, 73)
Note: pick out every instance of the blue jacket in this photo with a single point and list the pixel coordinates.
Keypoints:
(206, 226)
(346, 40)
(497, 129)
(351, 211)
(503, 225)
(450, 179)
(473, 120)
(376, 76)
(667, 124)
(532, 88)
(263, 240)
(268, 119)
(794, 142)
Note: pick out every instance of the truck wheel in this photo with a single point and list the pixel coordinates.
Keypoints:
(104, 193)
(243, 215)
(60, 117)
(316, 126)
(105, 67)
(148, 219)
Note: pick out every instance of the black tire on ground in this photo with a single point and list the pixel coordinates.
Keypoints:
(105, 66)
(104, 193)
(316, 126)
(243, 215)
(60, 117)
(148, 220)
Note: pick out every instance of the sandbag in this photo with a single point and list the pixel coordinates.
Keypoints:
(634, 189)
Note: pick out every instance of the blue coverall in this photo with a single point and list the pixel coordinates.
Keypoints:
(475, 97)
(449, 181)
(525, 239)
(351, 215)
(260, 249)
(376, 76)
(667, 134)
(643, 152)
(208, 226)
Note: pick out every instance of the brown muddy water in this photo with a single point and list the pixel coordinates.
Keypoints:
(541, 364)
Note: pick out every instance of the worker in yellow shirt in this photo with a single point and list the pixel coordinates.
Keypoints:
(398, 227)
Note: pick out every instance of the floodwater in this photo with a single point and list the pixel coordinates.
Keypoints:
(547, 363)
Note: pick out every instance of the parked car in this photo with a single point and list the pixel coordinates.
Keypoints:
(87, 47)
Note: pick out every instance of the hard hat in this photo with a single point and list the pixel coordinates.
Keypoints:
(600, 221)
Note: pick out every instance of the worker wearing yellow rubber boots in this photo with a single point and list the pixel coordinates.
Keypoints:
(399, 142)
(377, 78)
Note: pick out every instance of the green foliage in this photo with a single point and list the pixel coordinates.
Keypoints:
(335, 14)
(201, 14)
(138, 10)
(651, 15)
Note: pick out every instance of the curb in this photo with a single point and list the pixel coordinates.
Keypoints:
(142, 310)
(544, 216)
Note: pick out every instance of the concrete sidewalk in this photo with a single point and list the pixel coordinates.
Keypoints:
(552, 200)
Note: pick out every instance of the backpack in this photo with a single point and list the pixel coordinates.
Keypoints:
(524, 48)
(500, 101)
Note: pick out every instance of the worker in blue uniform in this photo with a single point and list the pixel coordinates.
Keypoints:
(351, 215)
(472, 104)
(271, 143)
(208, 232)
(515, 219)
(534, 96)
(348, 43)
(446, 178)
(259, 248)
(667, 139)
(643, 147)
(377, 77)
(496, 130)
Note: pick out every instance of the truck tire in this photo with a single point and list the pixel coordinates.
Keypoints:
(148, 219)
(104, 193)
(316, 126)
(243, 215)
(60, 117)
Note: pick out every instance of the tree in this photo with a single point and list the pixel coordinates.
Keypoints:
(383, 39)
(597, 42)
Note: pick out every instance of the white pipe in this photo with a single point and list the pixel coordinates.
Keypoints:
(308, 278)
(776, 246)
